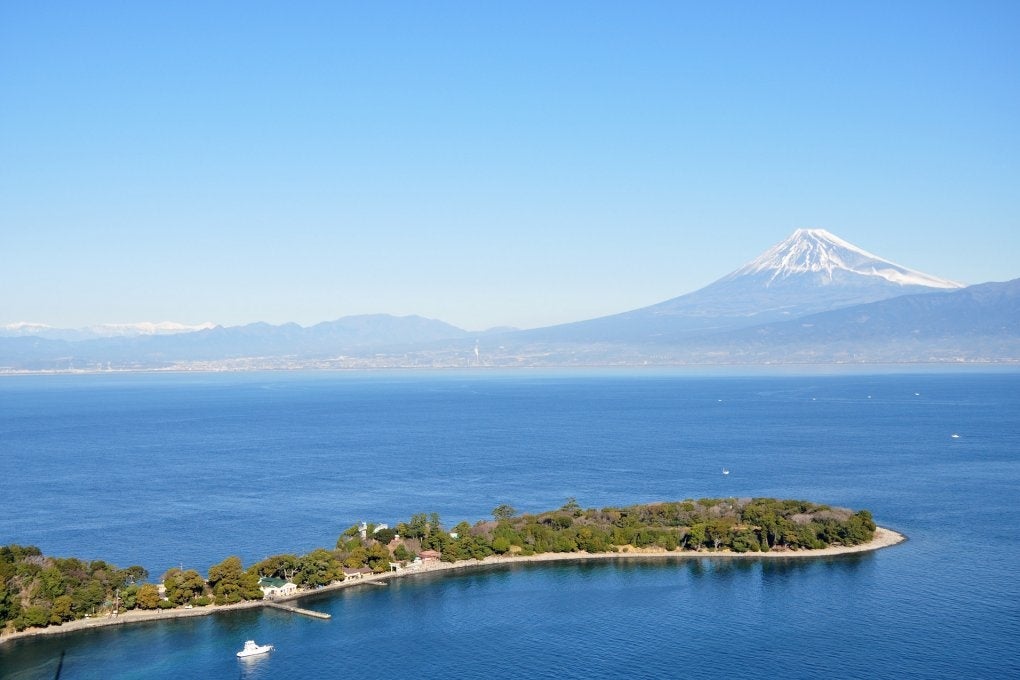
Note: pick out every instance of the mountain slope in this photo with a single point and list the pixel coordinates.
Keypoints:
(981, 322)
(811, 271)
(987, 309)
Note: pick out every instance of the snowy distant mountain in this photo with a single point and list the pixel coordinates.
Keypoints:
(24, 328)
(252, 343)
(812, 298)
(110, 330)
(812, 271)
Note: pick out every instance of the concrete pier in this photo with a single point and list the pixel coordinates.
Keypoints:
(298, 610)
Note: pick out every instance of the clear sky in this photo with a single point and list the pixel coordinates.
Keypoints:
(487, 163)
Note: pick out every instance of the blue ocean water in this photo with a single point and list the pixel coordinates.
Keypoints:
(169, 470)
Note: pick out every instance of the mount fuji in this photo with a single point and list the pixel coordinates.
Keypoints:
(810, 272)
(813, 298)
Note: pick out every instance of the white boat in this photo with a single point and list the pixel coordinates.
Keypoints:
(725, 471)
(251, 649)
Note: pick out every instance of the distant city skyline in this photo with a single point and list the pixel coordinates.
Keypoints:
(485, 165)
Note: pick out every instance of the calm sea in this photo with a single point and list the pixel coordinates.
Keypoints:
(183, 470)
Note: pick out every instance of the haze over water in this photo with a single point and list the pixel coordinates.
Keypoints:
(163, 470)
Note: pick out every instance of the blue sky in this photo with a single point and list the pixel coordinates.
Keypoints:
(487, 163)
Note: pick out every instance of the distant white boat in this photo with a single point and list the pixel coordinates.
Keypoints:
(252, 649)
(725, 471)
(955, 436)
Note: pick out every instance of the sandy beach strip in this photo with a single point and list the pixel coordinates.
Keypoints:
(883, 539)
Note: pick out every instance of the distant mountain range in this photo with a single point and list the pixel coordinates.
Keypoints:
(812, 298)
(109, 330)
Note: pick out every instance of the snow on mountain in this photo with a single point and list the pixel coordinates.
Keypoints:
(147, 328)
(812, 271)
(24, 328)
(110, 330)
(816, 251)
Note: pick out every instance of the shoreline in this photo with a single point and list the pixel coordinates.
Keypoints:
(810, 368)
(883, 538)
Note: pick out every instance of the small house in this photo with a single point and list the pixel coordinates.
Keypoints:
(275, 587)
(360, 572)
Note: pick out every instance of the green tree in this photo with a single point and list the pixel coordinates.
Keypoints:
(36, 616)
(436, 540)
(384, 536)
(51, 582)
(9, 607)
(697, 535)
(454, 552)
(860, 528)
(61, 610)
(717, 533)
(88, 598)
(231, 584)
(318, 568)
(745, 540)
(183, 587)
(503, 512)
(148, 596)
(378, 558)
(277, 566)
(128, 596)
(417, 527)
(133, 574)
(356, 557)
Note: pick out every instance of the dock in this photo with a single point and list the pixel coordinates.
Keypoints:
(298, 610)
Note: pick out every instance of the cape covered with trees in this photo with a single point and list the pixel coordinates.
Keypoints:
(39, 591)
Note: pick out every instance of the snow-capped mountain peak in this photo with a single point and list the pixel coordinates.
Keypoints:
(824, 255)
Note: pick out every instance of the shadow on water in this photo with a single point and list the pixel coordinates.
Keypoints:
(579, 572)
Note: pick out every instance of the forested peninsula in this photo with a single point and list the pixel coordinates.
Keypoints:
(38, 591)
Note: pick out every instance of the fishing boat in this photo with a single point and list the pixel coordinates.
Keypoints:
(253, 649)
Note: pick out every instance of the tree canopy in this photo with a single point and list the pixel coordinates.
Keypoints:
(36, 590)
